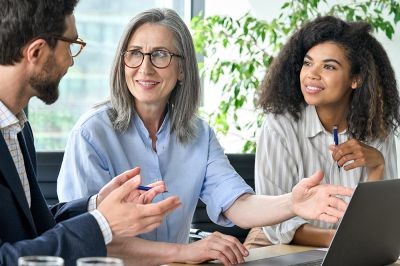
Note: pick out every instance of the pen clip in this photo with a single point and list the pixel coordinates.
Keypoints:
(335, 135)
(336, 139)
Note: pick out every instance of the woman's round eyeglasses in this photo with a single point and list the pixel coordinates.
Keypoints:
(158, 58)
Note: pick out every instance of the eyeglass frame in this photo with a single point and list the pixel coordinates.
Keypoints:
(149, 54)
(68, 40)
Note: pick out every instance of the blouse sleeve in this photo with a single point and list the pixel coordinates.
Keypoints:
(388, 150)
(222, 185)
(83, 171)
(278, 160)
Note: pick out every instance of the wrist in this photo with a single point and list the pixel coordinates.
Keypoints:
(376, 173)
(290, 204)
(190, 253)
(177, 253)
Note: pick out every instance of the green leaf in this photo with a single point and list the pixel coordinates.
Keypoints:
(397, 16)
(285, 5)
(350, 15)
(363, 7)
(389, 30)
(225, 42)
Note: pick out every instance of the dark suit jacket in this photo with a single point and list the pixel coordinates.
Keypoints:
(65, 230)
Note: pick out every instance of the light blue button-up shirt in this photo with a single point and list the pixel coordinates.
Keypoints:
(95, 153)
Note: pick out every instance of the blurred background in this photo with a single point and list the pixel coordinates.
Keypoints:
(242, 35)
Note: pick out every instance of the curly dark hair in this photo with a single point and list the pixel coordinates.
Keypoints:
(21, 21)
(374, 105)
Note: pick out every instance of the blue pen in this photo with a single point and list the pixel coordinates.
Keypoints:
(336, 138)
(144, 188)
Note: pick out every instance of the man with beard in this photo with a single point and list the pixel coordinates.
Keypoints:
(37, 45)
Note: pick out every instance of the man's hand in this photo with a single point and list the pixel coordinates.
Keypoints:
(315, 201)
(122, 205)
(217, 246)
(137, 196)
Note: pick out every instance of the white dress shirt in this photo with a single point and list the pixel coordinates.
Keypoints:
(10, 126)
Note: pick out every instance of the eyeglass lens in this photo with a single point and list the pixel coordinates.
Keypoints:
(159, 58)
(75, 49)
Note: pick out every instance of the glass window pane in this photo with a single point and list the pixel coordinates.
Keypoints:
(100, 23)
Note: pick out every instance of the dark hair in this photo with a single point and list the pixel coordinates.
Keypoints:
(374, 105)
(184, 99)
(21, 21)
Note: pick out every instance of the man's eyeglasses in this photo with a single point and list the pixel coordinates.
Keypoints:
(158, 58)
(75, 46)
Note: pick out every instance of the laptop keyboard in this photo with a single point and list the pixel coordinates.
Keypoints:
(317, 262)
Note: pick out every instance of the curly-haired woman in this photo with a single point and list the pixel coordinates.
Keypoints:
(330, 73)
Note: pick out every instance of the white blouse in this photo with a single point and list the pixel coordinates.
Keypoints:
(290, 150)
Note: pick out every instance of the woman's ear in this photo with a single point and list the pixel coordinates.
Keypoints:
(356, 82)
(181, 75)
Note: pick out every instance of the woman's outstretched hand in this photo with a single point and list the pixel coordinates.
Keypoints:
(314, 201)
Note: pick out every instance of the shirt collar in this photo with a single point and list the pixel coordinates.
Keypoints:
(140, 125)
(7, 118)
(312, 124)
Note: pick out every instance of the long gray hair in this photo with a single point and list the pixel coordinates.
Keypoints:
(184, 98)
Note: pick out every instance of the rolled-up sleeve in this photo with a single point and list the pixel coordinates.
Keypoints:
(222, 185)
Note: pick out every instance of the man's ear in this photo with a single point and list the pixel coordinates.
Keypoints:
(34, 50)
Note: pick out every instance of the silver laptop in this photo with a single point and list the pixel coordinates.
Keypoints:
(369, 233)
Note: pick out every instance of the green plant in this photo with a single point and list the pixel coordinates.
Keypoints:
(254, 42)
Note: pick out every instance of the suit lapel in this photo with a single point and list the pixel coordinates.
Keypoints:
(12, 178)
(41, 215)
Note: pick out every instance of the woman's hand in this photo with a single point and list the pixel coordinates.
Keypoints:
(217, 246)
(353, 153)
(314, 201)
